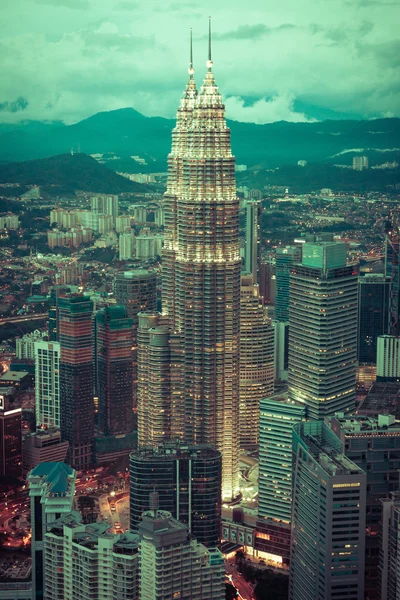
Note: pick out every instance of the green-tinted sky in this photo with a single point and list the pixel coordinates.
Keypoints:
(286, 59)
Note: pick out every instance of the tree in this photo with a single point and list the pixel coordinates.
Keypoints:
(230, 592)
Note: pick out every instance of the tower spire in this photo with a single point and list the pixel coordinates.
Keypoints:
(191, 69)
(209, 61)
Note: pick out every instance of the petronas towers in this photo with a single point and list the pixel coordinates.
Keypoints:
(201, 285)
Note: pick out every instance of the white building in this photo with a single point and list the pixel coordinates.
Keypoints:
(172, 565)
(145, 247)
(9, 222)
(90, 219)
(122, 223)
(106, 223)
(360, 163)
(388, 358)
(47, 384)
(25, 345)
(126, 246)
(86, 562)
(51, 492)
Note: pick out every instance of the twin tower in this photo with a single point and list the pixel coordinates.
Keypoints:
(188, 356)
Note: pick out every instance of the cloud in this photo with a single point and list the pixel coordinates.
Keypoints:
(73, 4)
(250, 32)
(278, 108)
(14, 106)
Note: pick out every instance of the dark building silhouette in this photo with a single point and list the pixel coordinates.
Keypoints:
(373, 314)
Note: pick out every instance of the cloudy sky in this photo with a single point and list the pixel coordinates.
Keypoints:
(295, 60)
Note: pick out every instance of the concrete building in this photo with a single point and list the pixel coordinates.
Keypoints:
(388, 358)
(86, 562)
(268, 282)
(25, 345)
(360, 163)
(188, 481)
(122, 223)
(328, 518)
(172, 565)
(284, 260)
(106, 224)
(44, 445)
(256, 361)
(137, 291)
(392, 271)
(373, 314)
(47, 384)
(389, 543)
(323, 330)
(51, 492)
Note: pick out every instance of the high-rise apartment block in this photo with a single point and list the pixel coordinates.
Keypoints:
(201, 273)
(172, 565)
(360, 163)
(284, 260)
(86, 562)
(126, 243)
(323, 330)
(47, 384)
(51, 492)
(252, 239)
(188, 481)
(256, 361)
(388, 358)
(107, 205)
(328, 518)
(122, 223)
(76, 377)
(373, 314)
(114, 370)
(10, 434)
(25, 345)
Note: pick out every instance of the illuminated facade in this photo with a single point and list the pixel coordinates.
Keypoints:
(256, 361)
(201, 273)
(323, 330)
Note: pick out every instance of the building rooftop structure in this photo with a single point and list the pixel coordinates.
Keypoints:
(170, 449)
(58, 476)
(382, 398)
(365, 423)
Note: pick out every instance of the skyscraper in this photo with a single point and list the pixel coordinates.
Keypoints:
(188, 481)
(392, 271)
(201, 272)
(388, 358)
(284, 259)
(114, 370)
(323, 330)
(252, 239)
(373, 314)
(328, 518)
(47, 384)
(76, 378)
(256, 361)
(136, 291)
(10, 434)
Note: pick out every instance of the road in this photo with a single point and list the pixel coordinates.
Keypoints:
(23, 318)
(244, 588)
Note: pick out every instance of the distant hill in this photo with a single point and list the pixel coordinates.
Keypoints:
(126, 132)
(67, 173)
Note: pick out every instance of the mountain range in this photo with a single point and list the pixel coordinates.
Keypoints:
(125, 133)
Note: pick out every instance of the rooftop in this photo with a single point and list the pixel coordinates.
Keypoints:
(14, 376)
(362, 424)
(168, 450)
(57, 475)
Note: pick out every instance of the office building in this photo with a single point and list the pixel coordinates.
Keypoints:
(87, 562)
(44, 445)
(10, 434)
(278, 415)
(323, 330)
(252, 239)
(392, 271)
(114, 370)
(136, 291)
(256, 361)
(76, 378)
(374, 445)
(328, 518)
(268, 282)
(172, 565)
(389, 543)
(154, 379)
(201, 273)
(47, 384)
(281, 350)
(51, 492)
(284, 260)
(188, 481)
(388, 358)
(25, 345)
(360, 163)
(373, 314)
(56, 291)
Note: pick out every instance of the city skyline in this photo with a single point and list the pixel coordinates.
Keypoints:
(103, 51)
